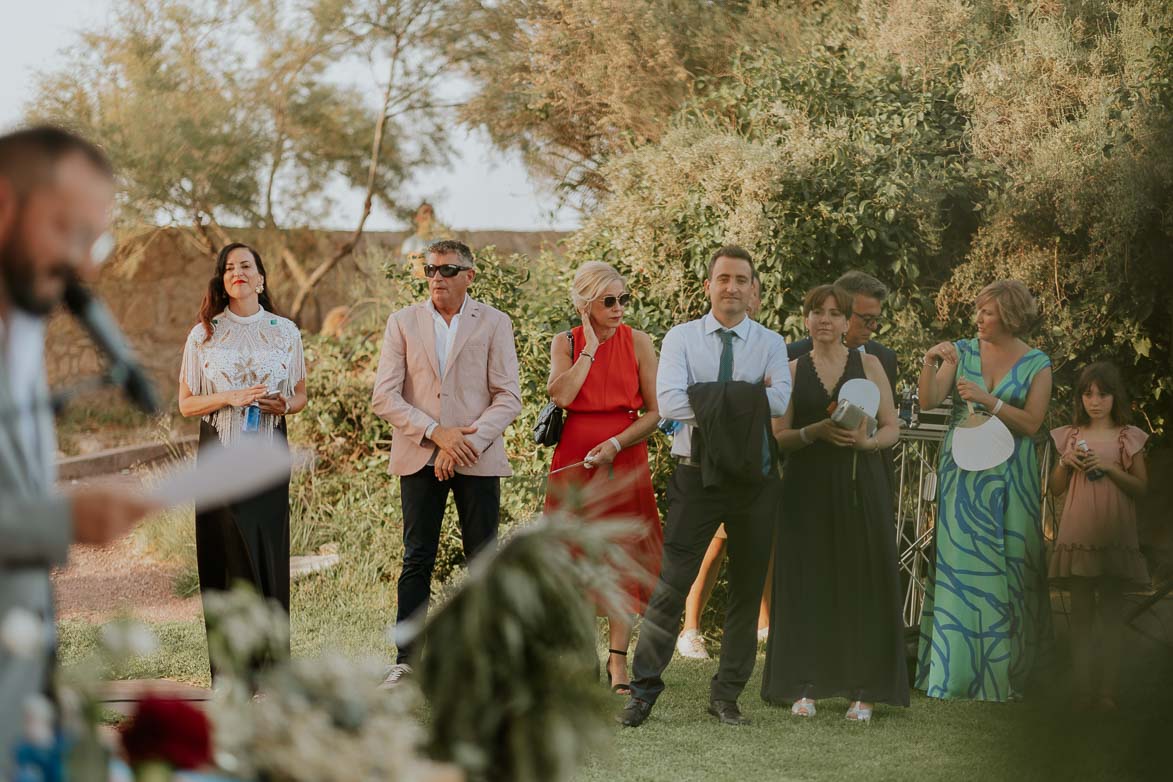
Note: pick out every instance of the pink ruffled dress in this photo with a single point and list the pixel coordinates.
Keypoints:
(1097, 533)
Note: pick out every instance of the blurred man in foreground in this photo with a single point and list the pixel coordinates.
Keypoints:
(56, 196)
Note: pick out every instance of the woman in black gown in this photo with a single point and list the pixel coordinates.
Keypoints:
(836, 626)
(242, 354)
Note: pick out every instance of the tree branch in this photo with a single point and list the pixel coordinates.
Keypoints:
(372, 177)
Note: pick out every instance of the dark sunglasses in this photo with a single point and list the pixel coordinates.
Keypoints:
(447, 270)
(623, 300)
(871, 321)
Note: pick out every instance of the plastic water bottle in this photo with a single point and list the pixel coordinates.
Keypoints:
(906, 403)
(668, 426)
(1092, 475)
(252, 419)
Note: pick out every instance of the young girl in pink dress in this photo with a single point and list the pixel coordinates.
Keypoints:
(1102, 468)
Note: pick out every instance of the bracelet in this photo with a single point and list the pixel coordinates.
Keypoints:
(615, 442)
(997, 407)
(802, 436)
(588, 355)
(928, 362)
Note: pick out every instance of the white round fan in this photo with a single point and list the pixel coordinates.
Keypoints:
(862, 393)
(981, 441)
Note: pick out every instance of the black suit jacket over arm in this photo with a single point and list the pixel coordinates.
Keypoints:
(732, 427)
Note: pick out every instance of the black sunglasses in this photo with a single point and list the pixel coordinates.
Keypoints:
(623, 300)
(871, 321)
(447, 270)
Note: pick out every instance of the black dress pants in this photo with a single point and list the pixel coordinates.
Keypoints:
(694, 513)
(423, 497)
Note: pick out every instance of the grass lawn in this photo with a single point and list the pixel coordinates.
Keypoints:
(349, 607)
(932, 740)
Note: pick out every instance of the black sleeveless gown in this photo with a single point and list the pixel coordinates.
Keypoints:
(835, 620)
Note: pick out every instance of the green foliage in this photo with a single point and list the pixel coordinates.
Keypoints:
(938, 146)
(520, 639)
(1083, 217)
(815, 165)
(569, 92)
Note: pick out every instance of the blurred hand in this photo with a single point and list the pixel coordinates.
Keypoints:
(972, 392)
(1074, 460)
(942, 351)
(827, 431)
(274, 405)
(445, 466)
(588, 331)
(1092, 462)
(104, 514)
(603, 453)
(860, 437)
(243, 397)
(452, 441)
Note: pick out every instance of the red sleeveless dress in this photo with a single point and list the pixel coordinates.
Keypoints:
(606, 404)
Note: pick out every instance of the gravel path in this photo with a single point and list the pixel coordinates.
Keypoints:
(100, 583)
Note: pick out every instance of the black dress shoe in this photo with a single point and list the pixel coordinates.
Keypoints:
(634, 712)
(727, 712)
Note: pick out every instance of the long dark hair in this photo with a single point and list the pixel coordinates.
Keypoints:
(1106, 377)
(216, 298)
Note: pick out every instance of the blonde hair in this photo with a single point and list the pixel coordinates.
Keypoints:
(591, 279)
(1018, 308)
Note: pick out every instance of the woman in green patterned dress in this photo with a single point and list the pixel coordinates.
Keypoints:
(987, 609)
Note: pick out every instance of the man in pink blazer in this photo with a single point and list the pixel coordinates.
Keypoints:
(448, 384)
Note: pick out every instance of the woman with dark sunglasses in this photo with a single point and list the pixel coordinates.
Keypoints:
(603, 373)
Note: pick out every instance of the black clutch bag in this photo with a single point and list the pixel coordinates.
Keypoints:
(548, 429)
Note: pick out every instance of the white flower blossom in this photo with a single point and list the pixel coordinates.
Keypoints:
(126, 639)
(23, 634)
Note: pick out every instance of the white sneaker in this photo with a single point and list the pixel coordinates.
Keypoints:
(398, 673)
(691, 644)
(763, 634)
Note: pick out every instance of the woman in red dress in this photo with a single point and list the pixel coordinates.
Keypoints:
(603, 374)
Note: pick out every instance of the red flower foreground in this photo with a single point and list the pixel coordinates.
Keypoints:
(169, 731)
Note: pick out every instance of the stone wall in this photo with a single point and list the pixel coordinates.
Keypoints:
(156, 282)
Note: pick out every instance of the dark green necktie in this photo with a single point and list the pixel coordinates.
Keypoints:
(726, 370)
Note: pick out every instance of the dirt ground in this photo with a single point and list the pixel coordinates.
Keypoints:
(99, 583)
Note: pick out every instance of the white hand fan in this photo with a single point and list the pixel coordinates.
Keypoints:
(864, 395)
(981, 441)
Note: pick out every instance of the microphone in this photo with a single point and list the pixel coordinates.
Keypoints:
(125, 371)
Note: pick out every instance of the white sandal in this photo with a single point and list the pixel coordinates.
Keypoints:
(859, 713)
(803, 707)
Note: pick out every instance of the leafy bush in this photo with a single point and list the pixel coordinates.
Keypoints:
(816, 165)
(938, 146)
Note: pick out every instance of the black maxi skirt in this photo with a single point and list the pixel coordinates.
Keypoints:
(245, 541)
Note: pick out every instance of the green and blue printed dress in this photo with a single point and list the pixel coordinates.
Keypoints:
(987, 608)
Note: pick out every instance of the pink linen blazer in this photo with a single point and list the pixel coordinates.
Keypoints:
(479, 386)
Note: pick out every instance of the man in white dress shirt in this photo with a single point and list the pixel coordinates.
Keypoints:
(725, 345)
